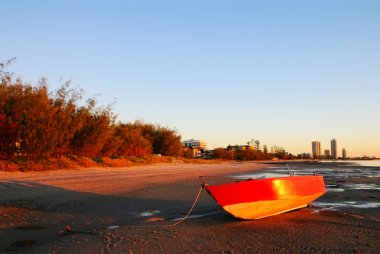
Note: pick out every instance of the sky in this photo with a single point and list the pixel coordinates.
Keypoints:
(285, 73)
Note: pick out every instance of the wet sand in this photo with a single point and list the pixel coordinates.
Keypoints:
(126, 210)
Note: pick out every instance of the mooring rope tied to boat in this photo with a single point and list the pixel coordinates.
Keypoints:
(181, 220)
(189, 212)
(287, 166)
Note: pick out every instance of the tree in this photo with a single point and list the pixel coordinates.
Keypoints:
(255, 144)
(277, 149)
(3, 73)
(265, 148)
(94, 129)
(65, 120)
(131, 140)
(166, 142)
(33, 109)
(221, 153)
(9, 126)
(8, 136)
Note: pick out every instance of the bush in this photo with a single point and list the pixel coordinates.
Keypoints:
(38, 124)
(8, 166)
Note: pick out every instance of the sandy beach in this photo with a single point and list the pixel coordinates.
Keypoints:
(127, 210)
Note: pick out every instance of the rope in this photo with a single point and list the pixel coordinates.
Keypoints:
(69, 230)
(181, 220)
(189, 212)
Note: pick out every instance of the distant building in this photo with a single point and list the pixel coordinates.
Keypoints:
(316, 149)
(334, 149)
(192, 143)
(304, 156)
(198, 148)
(344, 153)
(327, 154)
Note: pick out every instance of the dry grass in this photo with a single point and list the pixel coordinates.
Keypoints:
(201, 161)
(8, 166)
(38, 165)
(116, 162)
(85, 162)
(146, 160)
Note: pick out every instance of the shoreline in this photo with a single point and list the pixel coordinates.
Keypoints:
(111, 202)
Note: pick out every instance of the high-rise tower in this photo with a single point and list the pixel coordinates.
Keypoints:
(334, 149)
(344, 153)
(316, 149)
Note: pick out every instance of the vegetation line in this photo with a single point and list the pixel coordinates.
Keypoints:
(41, 130)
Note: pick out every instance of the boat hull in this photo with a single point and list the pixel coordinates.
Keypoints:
(259, 198)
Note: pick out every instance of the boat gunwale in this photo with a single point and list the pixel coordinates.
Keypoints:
(239, 180)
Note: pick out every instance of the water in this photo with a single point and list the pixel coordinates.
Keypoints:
(260, 175)
(363, 163)
(334, 188)
(346, 204)
(336, 169)
(351, 186)
(270, 172)
(149, 213)
(196, 216)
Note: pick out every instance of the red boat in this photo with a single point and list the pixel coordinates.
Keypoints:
(259, 198)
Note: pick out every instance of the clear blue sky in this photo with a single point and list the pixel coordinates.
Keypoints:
(283, 72)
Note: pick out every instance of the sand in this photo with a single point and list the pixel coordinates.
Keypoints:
(127, 210)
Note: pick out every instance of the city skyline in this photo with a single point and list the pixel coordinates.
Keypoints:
(224, 72)
(316, 151)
